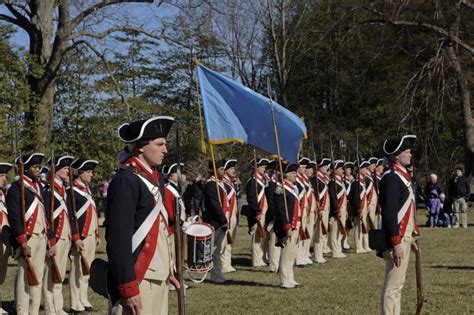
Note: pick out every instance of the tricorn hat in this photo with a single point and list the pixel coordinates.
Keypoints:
(396, 146)
(61, 161)
(5, 167)
(229, 164)
(145, 129)
(83, 164)
(30, 160)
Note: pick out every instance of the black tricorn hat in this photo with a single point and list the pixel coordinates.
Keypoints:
(324, 162)
(311, 164)
(349, 164)
(44, 170)
(30, 160)
(145, 129)
(361, 163)
(304, 161)
(373, 160)
(291, 167)
(396, 146)
(173, 168)
(61, 161)
(260, 162)
(272, 165)
(219, 163)
(379, 162)
(83, 164)
(229, 164)
(5, 167)
(337, 164)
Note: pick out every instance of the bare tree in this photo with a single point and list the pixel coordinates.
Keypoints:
(53, 28)
(448, 24)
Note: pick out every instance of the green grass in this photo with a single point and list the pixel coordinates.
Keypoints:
(342, 286)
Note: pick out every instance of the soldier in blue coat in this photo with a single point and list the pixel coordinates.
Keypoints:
(30, 234)
(397, 200)
(137, 223)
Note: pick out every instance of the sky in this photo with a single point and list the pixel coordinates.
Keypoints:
(148, 16)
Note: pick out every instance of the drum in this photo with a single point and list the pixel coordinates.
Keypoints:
(200, 241)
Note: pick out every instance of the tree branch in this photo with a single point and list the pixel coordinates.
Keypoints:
(96, 7)
(434, 28)
(467, 3)
(20, 20)
(109, 70)
(115, 29)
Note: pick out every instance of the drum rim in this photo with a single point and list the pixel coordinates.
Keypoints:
(202, 238)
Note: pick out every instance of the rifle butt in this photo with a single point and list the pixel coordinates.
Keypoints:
(32, 278)
(56, 275)
(230, 241)
(86, 270)
(261, 231)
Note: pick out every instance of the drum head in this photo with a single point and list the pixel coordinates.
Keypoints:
(200, 230)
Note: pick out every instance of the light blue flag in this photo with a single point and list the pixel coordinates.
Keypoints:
(234, 112)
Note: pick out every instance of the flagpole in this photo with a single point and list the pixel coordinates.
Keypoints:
(277, 142)
(215, 173)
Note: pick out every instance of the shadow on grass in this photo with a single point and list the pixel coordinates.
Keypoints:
(8, 306)
(230, 282)
(453, 267)
(242, 261)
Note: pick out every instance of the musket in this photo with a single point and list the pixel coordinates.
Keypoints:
(324, 229)
(260, 230)
(84, 264)
(277, 144)
(339, 222)
(178, 232)
(420, 290)
(56, 274)
(32, 278)
(364, 228)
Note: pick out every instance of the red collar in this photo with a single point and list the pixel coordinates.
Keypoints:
(81, 185)
(30, 182)
(140, 165)
(401, 170)
(59, 187)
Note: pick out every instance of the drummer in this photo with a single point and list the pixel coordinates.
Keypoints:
(215, 206)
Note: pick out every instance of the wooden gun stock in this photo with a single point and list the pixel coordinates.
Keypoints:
(261, 231)
(324, 229)
(86, 270)
(420, 294)
(32, 278)
(342, 228)
(364, 228)
(56, 275)
(371, 222)
(230, 241)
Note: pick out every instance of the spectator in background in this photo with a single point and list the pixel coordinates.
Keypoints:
(446, 212)
(459, 191)
(433, 202)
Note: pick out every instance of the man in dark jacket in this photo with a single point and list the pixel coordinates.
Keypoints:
(215, 209)
(397, 200)
(459, 191)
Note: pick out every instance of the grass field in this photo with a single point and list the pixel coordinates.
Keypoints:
(341, 286)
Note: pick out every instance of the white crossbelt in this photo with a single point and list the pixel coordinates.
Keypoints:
(62, 205)
(146, 226)
(89, 201)
(410, 199)
(292, 191)
(176, 195)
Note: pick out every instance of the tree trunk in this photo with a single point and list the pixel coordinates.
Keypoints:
(38, 119)
(465, 96)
